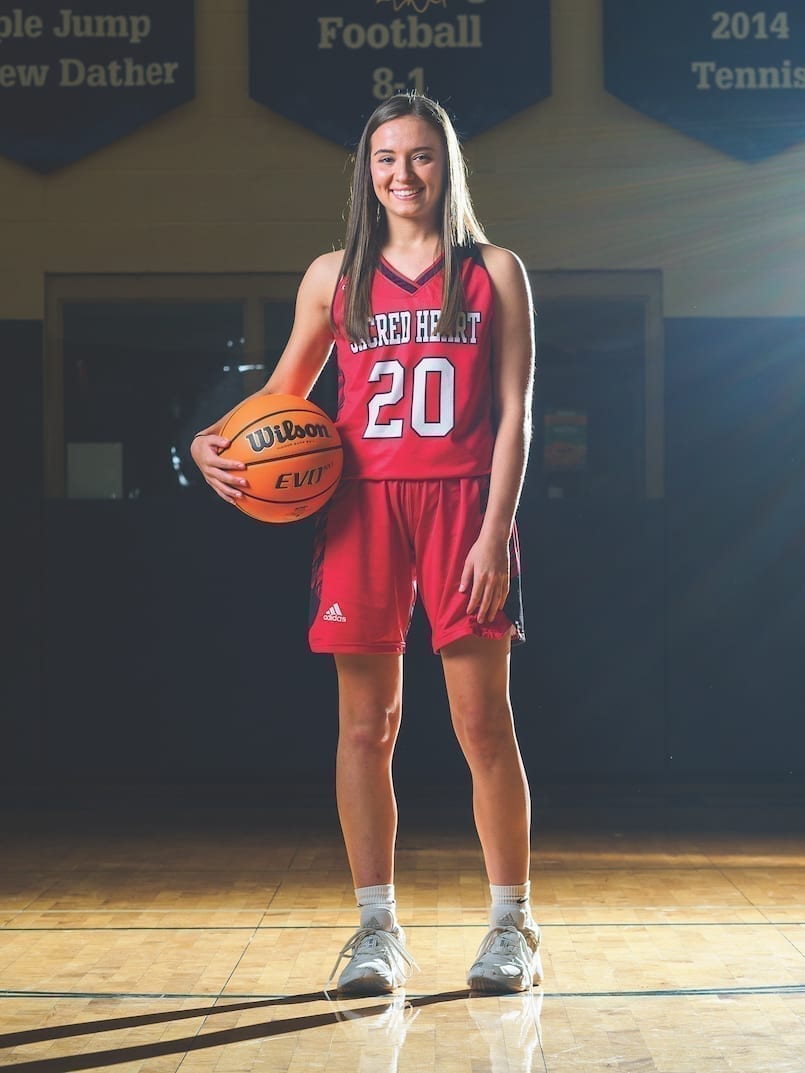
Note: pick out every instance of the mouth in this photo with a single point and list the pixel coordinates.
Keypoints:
(405, 193)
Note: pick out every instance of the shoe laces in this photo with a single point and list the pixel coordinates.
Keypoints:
(507, 941)
(385, 944)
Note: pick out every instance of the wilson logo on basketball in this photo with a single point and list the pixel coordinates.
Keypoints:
(262, 438)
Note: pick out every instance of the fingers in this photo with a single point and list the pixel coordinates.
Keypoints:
(488, 596)
(486, 577)
(228, 492)
(209, 439)
(225, 476)
(227, 483)
(466, 577)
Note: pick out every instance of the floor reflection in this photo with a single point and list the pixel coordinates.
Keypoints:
(507, 1039)
(159, 944)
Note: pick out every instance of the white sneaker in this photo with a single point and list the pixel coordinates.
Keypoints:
(378, 962)
(507, 960)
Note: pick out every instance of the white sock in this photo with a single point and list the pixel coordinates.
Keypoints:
(378, 906)
(511, 906)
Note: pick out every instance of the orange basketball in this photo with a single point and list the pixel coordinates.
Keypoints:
(292, 452)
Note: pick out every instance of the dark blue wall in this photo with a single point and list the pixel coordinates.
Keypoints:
(21, 595)
(735, 396)
(165, 640)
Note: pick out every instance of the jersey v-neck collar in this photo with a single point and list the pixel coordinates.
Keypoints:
(411, 286)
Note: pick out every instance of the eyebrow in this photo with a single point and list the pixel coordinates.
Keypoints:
(417, 149)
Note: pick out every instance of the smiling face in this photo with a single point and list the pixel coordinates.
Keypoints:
(407, 163)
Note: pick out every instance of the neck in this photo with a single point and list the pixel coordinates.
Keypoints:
(411, 235)
(426, 245)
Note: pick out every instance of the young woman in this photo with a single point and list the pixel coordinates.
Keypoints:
(433, 329)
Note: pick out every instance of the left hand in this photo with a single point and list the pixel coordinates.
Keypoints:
(486, 577)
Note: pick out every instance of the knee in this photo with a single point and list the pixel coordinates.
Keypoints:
(370, 729)
(484, 733)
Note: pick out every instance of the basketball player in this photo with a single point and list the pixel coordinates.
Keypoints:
(433, 329)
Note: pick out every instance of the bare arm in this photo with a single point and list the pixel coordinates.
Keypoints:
(486, 571)
(296, 372)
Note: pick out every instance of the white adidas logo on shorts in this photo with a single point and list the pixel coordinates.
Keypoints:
(334, 614)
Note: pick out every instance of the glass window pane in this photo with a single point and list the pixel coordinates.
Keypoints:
(590, 401)
(140, 379)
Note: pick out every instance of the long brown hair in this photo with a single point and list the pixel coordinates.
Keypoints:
(366, 220)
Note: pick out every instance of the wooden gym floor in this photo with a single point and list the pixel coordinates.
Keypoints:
(199, 938)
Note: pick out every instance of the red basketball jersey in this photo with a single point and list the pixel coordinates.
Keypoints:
(414, 403)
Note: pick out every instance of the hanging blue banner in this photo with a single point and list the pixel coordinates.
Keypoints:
(326, 64)
(731, 74)
(75, 79)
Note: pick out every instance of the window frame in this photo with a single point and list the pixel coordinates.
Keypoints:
(645, 288)
(254, 290)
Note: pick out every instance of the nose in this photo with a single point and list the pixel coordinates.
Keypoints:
(403, 169)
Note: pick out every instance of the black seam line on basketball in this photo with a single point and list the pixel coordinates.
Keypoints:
(289, 502)
(299, 454)
(274, 413)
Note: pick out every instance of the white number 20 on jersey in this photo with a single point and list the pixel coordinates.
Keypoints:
(377, 428)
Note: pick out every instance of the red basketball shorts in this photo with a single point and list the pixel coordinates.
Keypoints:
(379, 544)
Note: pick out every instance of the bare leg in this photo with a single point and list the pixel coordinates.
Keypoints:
(477, 676)
(370, 707)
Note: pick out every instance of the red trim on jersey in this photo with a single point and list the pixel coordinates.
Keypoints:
(410, 285)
